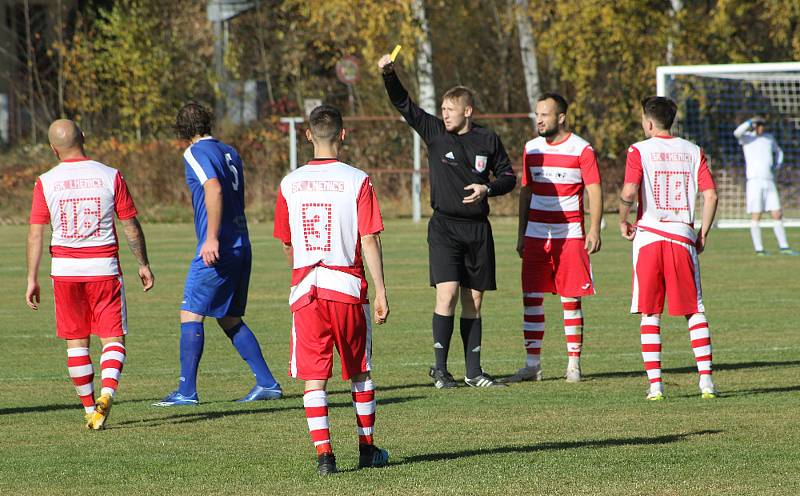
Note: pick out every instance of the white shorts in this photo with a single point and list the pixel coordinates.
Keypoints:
(762, 196)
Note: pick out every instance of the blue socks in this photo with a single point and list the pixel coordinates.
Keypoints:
(191, 350)
(247, 345)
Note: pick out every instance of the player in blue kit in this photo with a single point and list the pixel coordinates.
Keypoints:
(219, 275)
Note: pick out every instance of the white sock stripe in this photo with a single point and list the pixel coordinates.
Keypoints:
(317, 443)
(365, 431)
(85, 390)
(81, 370)
(533, 295)
(317, 397)
(654, 373)
(702, 351)
(573, 314)
(112, 355)
(361, 387)
(109, 391)
(567, 299)
(537, 310)
(704, 366)
(651, 320)
(573, 330)
(110, 373)
(115, 344)
(533, 326)
(367, 408)
(651, 338)
(699, 333)
(317, 423)
(697, 318)
(651, 356)
(77, 352)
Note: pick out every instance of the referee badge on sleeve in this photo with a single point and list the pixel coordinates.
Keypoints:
(480, 162)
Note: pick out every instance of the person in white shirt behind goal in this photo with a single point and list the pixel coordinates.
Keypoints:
(762, 157)
(667, 173)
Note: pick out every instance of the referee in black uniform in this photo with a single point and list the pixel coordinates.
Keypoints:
(461, 157)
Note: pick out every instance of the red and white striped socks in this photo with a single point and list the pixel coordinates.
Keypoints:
(364, 404)
(701, 346)
(573, 328)
(79, 365)
(111, 362)
(533, 327)
(315, 402)
(651, 350)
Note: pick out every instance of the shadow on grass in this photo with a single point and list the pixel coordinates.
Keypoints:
(693, 370)
(194, 416)
(756, 391)
(534, 448)
(45, 408)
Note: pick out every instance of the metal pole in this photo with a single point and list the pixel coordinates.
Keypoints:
(416, 182)
(292, 122)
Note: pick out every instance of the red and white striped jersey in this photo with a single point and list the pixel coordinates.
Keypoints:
(670, 171)
(79, 198)
(322, 210)
(557, 174)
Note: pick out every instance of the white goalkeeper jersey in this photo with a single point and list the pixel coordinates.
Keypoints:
(670, 171)
(762, 155)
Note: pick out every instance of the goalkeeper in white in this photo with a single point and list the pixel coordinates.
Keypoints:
(762, 157)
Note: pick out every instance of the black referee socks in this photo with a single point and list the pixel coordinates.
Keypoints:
(471, 331)
(442, 332)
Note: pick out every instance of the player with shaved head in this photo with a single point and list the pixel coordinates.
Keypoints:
(79, 198)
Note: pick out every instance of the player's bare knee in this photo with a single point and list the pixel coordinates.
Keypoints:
(364, 376)
(187, 316)
(777, 215)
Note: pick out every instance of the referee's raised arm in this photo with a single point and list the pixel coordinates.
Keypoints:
(426, 125)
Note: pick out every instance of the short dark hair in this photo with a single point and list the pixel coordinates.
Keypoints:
(660, 109)
(460, 93)
(325, 122)
(561, 102)
(193, 119)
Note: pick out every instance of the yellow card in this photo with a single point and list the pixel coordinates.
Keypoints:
(395, 52)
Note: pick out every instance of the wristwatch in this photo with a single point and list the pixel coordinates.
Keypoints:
(488, 190)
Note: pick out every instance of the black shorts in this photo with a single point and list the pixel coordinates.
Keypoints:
(461, 250)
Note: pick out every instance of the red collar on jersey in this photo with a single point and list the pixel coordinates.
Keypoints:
(559, 142)
(76, 159)
(322, 161)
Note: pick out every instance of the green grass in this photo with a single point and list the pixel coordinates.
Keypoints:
(596, 437)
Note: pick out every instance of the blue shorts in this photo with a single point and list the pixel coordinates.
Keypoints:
(220, 290)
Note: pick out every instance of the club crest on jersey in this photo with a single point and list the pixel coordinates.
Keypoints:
(480, 162)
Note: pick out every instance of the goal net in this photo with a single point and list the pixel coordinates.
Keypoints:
(713, 100)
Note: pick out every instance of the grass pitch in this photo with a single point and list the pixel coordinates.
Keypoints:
(596, 437)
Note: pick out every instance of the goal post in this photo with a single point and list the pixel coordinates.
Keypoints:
(713, 100)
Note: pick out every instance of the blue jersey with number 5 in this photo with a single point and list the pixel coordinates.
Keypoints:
(207, 159)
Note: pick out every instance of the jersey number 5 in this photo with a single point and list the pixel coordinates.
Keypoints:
(235, 180)
(316, 219)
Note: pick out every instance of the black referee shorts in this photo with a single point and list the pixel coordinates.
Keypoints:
(461, 250)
